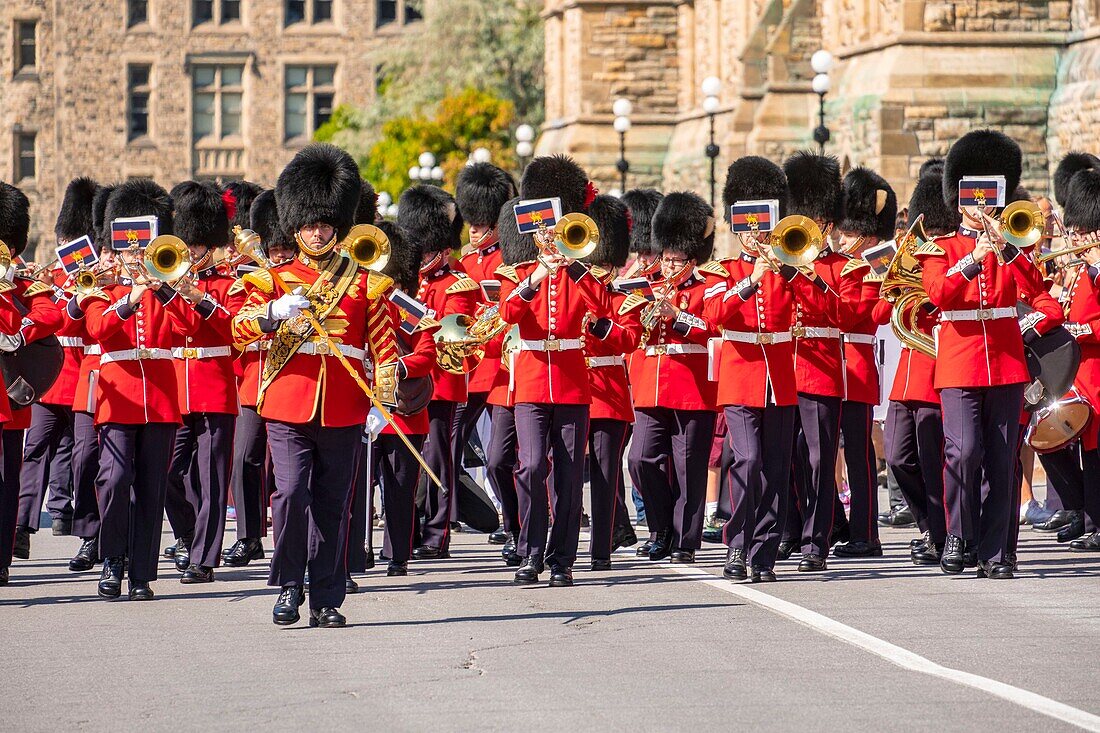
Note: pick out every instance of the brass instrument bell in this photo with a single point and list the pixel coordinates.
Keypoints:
(167, 258)
(368, 246)
(576, 236)
(1022, 224)
(797, 241)
(456, 349)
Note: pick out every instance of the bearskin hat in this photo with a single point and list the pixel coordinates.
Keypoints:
(927, 199)
(813, 182)
(429, 216)
(481, 190)
(75, 218)
(100, 223)
(321, 183)
(1067, 168)
(981, 153)
(367, 211)
(238, 197)
(15, 218)
(642, 203)
(684, 223)
(404, 263)
(514, 247)
(613, 220)
(263, 218)
(200, 215)
(753, 178)
(930, 165)
(556, 175)
(139, 197)
(870, 205)
(1082, 203)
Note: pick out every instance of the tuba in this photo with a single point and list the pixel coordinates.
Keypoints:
(368, 246)
(167, 258)
(903, 288)
(797, 241)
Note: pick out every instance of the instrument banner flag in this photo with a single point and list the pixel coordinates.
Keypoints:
(754, 216)
(133, 231)
(636, 286)
(987, 191)
(412, 310)
(533, 214)
(79, 254)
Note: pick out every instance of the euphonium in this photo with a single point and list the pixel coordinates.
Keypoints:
(903, 287)
(167, 258)
(457, 351)
(368, 246)
(797, 241)
(487, 325)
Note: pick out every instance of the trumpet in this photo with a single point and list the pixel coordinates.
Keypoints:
(368, 246)
(796, 241)
(5, 265)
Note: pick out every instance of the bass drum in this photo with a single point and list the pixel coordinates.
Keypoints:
(31, 370)
(1052, 361)
(1054, 427)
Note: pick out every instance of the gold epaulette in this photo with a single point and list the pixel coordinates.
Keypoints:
(601, 273)
(37, 288)
(97, 294)
(427, 323)
(260, 279)
(874, 277)
(856, 263)
(377, 284)
(463, 284)
(715, 267)
(237, 287)
(631, 302)
(508, 271)
(929, 249)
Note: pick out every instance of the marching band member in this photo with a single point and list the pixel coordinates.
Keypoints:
(870, 208)
(314, 408)
(607, 339)
(549, 300)
(674, 401)
(238, 197)
(980, 367)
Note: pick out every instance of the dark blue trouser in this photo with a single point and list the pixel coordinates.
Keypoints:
(914, 452)
(200, 471)
(47, 455)
(85, 467)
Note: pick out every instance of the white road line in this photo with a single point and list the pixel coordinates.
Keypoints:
(896, 654)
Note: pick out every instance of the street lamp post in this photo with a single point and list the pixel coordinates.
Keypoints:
(822, 63)
(622, 109)
(426, 171)
(525, 134)
(711, 87)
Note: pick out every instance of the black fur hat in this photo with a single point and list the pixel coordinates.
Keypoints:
(15, 218)
(927, 199)
(684, 223)
(429, 216)
(200, 215)
(1082, 204)
(139, 197)
(929, 165)
(556, 175)
(100, 223)
(870, 205)
(238, 197)
(404, 264)
(753, 178)
(263, 218)
(815, 188)
(75, 219)
(481, 190)
(514, 247)
(613, 220)
(367, 211)
(1067, 168)
(981, 153)
(320, 184)
(643, 203)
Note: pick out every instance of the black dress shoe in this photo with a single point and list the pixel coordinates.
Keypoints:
(287, 604)
(812, 563)
(995, 570)
(899, 516)
(86, 557)
(763, 575)
(395, 569)
(1073, 530)
(22, 547)
(1086, 544)
(3, 576)
(61, 527)
(498, 536)
(183, 557)
(1059, 519)
(787, 548)
(681, 556)
(350, 586)
(858, 549)
(197, 574)
(623, 536)
(929, 554)
(644, 549)
(368, 564)
(110, 581)
(735, 569)
(140, 591)
(662, 546)
(970, 555)
(921, 541)
(171, 550)
(585, 521)
(511, 556)
(528, 572)
(327, 618)
(561, 577)
(952, 561)
(428, 552)
(601, 564)
(243, 552)
(840, 533)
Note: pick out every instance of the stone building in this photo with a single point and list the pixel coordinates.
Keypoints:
(910, 77)
(175, 89)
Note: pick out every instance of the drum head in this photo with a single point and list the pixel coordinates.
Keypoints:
(1056, 428)
(1053, 360)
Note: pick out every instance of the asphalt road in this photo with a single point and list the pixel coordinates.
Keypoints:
(455, 646)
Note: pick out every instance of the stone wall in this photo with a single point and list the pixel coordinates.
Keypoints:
(997, 15)
(1074, 121)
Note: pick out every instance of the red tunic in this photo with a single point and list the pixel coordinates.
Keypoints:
(819, 362)
(419, 362)
(481, 265)
(861, 359)
(914, 377)
(607, 340)
(41, 317)
(1083, 299)
(447, 291)
(70, 335)
(207, 383)
(84, 394)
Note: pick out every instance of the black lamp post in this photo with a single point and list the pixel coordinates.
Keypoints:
(711, 87)
(525, 134)
(622, 109)
(822, 64)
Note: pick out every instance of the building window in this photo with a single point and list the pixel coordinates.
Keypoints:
(215, 11)
(217, 103)
(25, 45)
(138, 93)
(308, 11)
(24, 157)
(402, 12)
(137, 12)
(387, 13)
(310, 91)
(411, 13)
(203, 11)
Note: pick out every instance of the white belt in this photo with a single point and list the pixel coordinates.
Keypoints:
(208, 352)
(753, 337)
(675, 349)
(816, 332)
(605, 361)
(264, 345)
(135, 355)
(861, 338)
(93, 350)
(322, 348)
(550, 345)
(979, 314)
(72, 342)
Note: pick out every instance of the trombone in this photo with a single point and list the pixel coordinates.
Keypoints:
(1021, 224)
(796, 241)
(1073, 249)
(575, 237)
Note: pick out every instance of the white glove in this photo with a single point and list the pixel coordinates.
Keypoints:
(10, 343)
(289, 305)
(375, 423)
